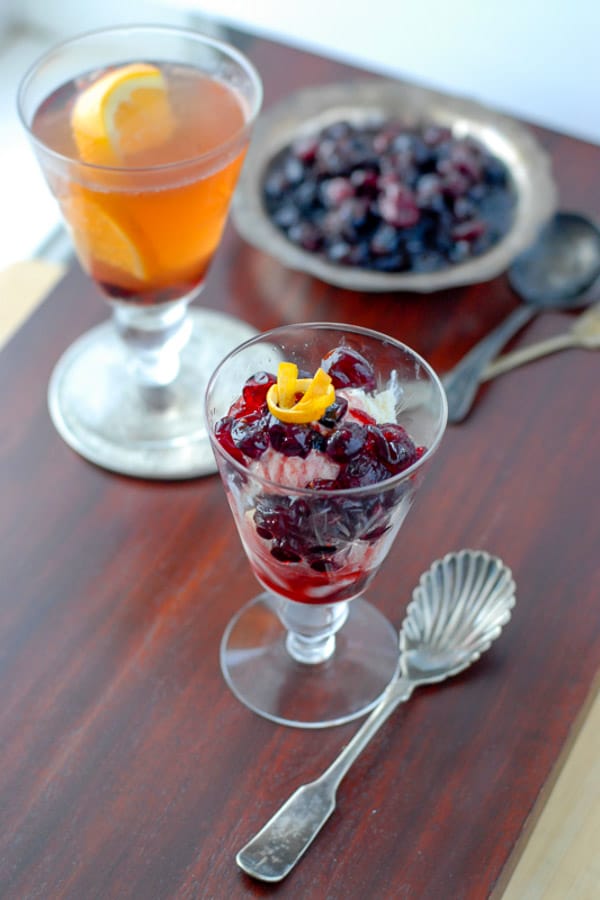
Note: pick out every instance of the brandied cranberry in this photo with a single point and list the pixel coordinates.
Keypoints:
(362, 471)
(346, 442)
(334, 413)
(348, 368)
(284, 553)
(290, 439)
(255, 390)
(250, 435)
(335, 190)
(306, 148)
(398, 206)
(393, 446)
(223, 435)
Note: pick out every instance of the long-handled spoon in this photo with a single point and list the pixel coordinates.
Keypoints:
(584, 333)
(457, 610)
(552, 274)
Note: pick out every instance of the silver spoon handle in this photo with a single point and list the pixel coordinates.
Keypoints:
(398, 692)
(528, 354)
(275, 850)
(461, 382)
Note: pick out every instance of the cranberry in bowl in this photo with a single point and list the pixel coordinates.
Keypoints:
(321, 434)
(382, 186)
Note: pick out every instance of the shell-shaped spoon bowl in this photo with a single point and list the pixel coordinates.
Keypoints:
(458, 608)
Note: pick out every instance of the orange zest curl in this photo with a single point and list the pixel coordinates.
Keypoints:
(299, 400)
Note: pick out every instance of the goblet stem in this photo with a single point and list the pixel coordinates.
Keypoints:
(311, 629)
(154, 337)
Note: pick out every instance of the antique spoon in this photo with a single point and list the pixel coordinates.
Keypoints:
(458, 608)
(552, 274)
(584, 333)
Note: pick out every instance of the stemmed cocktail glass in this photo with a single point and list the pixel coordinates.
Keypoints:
(311, 651)
(141, 132)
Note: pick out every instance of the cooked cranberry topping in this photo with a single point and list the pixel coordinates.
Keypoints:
(284, 553)
(254, 392)
(388, 197)
(291, 440)
(224, 437)
(393, 446)
(365, 453)
(334, 413)
(348, 368)
(346, 442)
(250, 435)
(362, 470)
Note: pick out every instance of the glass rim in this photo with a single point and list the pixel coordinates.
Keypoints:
(190, 33)
(361, 490)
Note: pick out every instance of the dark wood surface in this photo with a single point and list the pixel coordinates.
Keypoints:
(128, 770)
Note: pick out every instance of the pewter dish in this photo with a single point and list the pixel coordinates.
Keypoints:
(363, 102)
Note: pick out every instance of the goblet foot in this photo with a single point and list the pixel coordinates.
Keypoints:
(262, 673)
(102, 411)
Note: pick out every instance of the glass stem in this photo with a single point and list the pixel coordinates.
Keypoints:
(312, 629)
(155, 336)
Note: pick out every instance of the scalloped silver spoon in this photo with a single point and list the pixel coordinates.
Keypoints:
(458, 608)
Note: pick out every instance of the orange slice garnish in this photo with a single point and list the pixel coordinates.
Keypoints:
(99, 237)
(126, 111)
(317, 394)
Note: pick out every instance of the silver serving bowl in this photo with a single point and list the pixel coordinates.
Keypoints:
(362, 102)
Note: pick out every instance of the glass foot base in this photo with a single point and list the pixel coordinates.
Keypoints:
(262, 674)
(102, 412)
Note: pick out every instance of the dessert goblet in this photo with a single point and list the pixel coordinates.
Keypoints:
(141, 133)
(319, 473)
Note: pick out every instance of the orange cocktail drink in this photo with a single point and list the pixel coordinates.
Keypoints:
(141, 132)
(161, 148)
